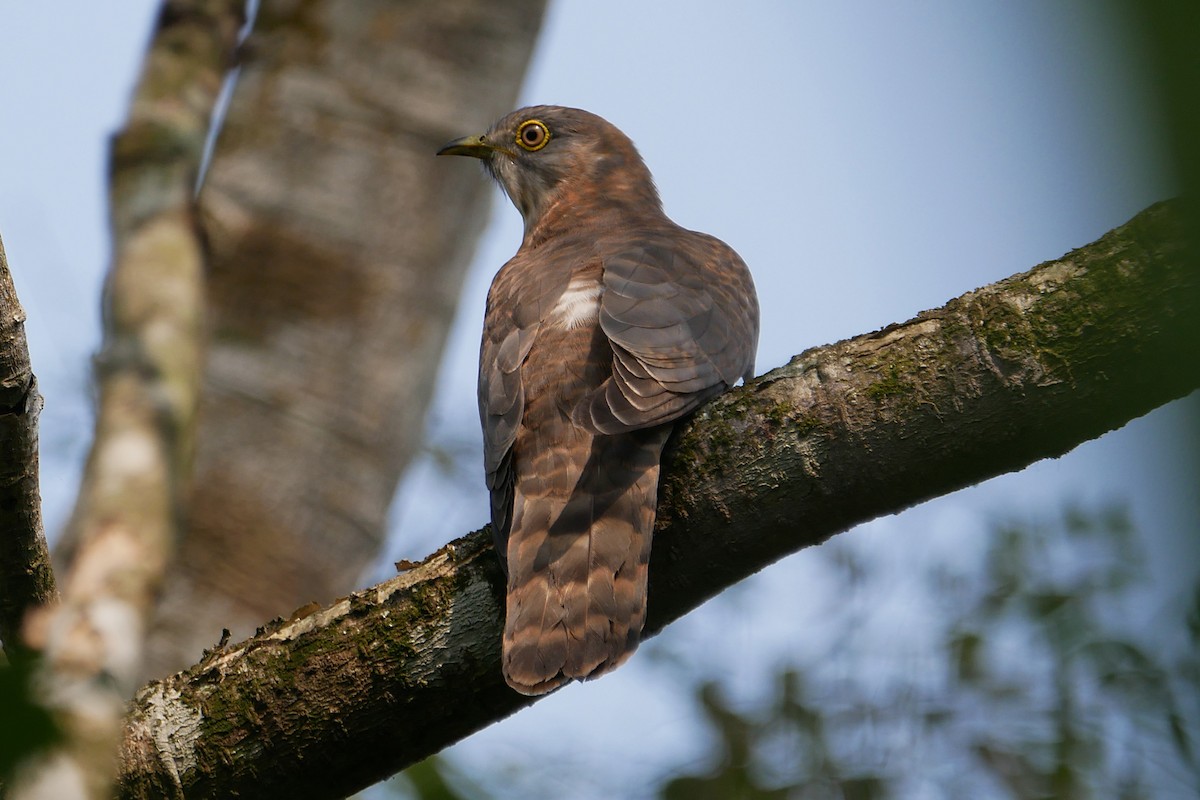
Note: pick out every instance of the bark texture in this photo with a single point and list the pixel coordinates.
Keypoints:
(26, 578)
(1025, 369)
(126, 519)
(338, 248)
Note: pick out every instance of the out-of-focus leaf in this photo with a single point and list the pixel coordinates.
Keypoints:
(1181, 738)
(427, 780)
(1046, 604)
(1123, 666)
(965, 650)
(868, 788)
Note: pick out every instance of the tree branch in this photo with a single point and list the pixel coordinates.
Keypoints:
(26, 579)
(1025, 369)
(127, 516)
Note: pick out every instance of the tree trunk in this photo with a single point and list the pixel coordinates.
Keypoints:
(338, 246)
(26, 579)
(1028, 368)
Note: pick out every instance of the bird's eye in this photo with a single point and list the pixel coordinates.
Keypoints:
(533, 135)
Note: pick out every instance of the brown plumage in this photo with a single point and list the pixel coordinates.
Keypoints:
(609, 324)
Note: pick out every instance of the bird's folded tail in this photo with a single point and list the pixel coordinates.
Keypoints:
(577, 560)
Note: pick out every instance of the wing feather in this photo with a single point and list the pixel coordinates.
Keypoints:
(681, 316)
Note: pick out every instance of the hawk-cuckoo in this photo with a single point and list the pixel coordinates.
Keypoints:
(610, 323)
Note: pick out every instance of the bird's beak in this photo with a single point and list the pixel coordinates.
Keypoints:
(473, 146)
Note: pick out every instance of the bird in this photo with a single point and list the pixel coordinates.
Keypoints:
(608, 325)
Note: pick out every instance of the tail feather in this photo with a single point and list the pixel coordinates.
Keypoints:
(577, 560)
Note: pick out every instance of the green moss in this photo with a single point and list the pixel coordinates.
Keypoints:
(722, 438)
(428, 599)
(890, 385)
(779, 414)
(1003, 329)
(1098, 294)
(951, 324)
(719, 438)
(806, 423)
(899, 381)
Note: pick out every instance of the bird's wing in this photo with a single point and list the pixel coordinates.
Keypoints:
(501, 403)
(681, 315)
(517, 302)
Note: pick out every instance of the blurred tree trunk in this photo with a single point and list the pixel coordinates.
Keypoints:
(337, 252)
(127, 518)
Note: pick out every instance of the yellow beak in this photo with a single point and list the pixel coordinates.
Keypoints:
(473, 146)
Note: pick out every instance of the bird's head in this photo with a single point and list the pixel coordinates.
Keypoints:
(550, 157)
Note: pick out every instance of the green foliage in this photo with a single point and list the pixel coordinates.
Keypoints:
(788, 719)
(1040, 696)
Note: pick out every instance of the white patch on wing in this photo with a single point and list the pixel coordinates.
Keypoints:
(580, 303)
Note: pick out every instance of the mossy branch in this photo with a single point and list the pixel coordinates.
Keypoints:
(1027, 368)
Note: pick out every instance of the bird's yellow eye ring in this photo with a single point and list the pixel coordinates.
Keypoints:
(533, 135)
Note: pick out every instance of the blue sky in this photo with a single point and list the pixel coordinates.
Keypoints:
(868, 160)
